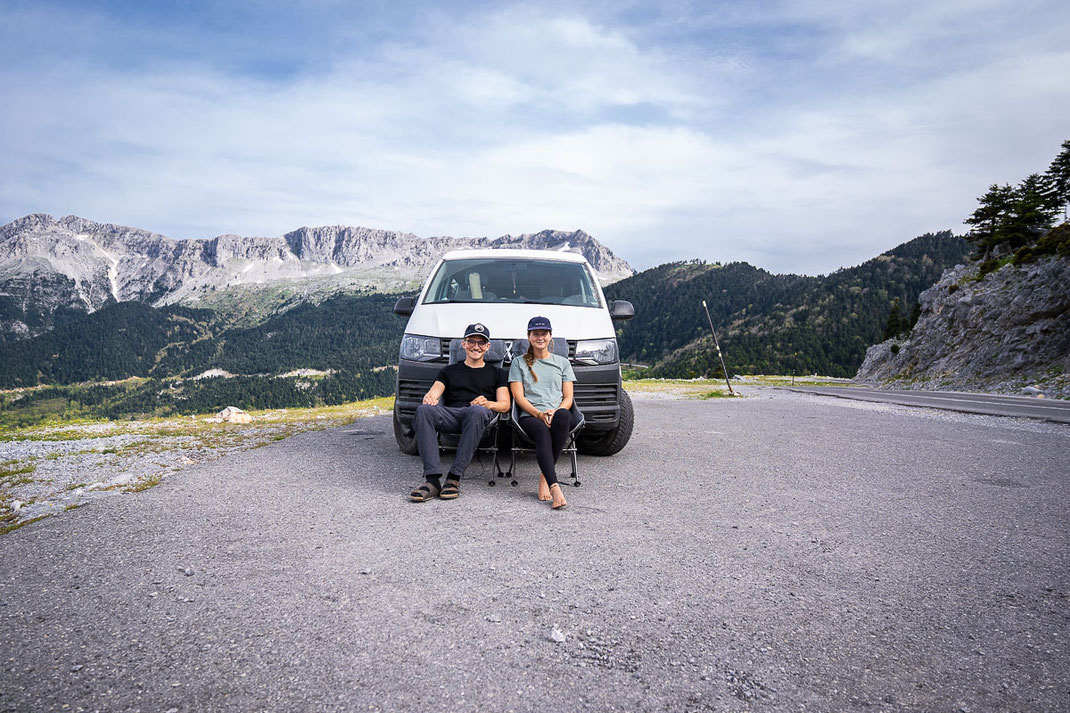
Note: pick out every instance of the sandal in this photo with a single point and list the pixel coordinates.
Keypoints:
(450, 489)
(425, 492)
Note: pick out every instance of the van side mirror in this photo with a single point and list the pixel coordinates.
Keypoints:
(404, 306)
(620, 310)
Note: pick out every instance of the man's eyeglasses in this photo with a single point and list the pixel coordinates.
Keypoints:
(478, 343)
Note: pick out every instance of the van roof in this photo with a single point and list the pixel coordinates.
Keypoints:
(513, 254)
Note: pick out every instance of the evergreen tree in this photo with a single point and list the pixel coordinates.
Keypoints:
(896, 324)
(988, 220)
(1032, 212)
(1059, 176)
(915, 313)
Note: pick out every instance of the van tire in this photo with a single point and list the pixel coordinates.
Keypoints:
(611, 442)
(407, 444)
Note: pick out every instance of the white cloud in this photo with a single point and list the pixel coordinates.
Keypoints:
(518, 120)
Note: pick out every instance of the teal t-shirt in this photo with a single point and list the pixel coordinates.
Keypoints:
(552, 371)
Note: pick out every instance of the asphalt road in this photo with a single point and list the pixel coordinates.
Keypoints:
(1057, 411)
(782, 552)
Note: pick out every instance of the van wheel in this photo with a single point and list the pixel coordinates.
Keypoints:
(407, 444)
(612, 442)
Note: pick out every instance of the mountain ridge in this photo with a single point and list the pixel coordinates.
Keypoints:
(773, 323)
(75, 263)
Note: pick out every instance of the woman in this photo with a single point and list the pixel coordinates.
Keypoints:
(541, 384)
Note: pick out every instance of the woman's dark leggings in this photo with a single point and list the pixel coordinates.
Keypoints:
(548, 441)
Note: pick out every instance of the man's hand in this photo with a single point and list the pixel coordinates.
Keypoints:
(481, 400)
(430, 400)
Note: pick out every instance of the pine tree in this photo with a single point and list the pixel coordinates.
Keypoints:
(1059, 176)
(896, 324)
(915, 313)
(991, 215)
(1032, 212)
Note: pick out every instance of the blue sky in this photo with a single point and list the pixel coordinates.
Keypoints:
(798, 136)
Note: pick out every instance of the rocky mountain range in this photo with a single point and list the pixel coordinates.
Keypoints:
(1002, 331)
(74, 263)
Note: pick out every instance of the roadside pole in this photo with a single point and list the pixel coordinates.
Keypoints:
(716, 344)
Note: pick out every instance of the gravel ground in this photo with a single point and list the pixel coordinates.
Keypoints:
(782, 552)
(58, 468)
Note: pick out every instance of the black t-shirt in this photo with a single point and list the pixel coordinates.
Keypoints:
(463, 383)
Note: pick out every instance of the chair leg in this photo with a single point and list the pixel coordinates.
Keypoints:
(512, 458)
(575, 478)
(497, 467)
(512, 464)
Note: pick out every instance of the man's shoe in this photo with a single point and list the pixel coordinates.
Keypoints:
(450, 489)
(425, 492)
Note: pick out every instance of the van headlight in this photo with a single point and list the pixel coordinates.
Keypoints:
(414, 348)
(596, 351)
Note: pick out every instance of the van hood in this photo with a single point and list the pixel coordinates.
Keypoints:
(509, 321)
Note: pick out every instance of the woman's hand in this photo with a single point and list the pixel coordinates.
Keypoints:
(547, 416)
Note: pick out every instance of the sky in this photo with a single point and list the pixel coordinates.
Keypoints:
(797, 136)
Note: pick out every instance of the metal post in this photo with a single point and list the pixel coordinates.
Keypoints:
(716, 344)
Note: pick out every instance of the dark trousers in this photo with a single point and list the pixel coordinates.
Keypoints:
(469, 421)
(548, 441)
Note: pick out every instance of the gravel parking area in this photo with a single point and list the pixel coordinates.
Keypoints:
(780, 552)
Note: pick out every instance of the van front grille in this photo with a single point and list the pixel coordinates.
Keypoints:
(412, 389)
(595, 395)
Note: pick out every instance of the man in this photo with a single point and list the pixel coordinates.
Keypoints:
(463, 399)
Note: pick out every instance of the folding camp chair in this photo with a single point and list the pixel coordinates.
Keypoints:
(520, 441)
(493, 357)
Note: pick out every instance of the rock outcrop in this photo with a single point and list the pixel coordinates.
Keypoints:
(1005, 332)
(48, 264)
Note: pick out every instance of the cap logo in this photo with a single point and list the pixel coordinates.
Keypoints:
(479, 328)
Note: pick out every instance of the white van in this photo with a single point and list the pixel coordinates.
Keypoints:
(503, 289)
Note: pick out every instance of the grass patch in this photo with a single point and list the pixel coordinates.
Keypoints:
(786, 380)
(38, 433)
(992, 265)
(688, 388)
(149, 481)
(9, 472)
(74, 506)
(6, 528)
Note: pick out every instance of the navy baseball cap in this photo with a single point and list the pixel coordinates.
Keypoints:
(539, 323)
(477, 330)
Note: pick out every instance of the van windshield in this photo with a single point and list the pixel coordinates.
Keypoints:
(516, 281)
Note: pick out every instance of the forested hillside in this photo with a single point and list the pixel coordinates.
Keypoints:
(773, 323)
(354, 339)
